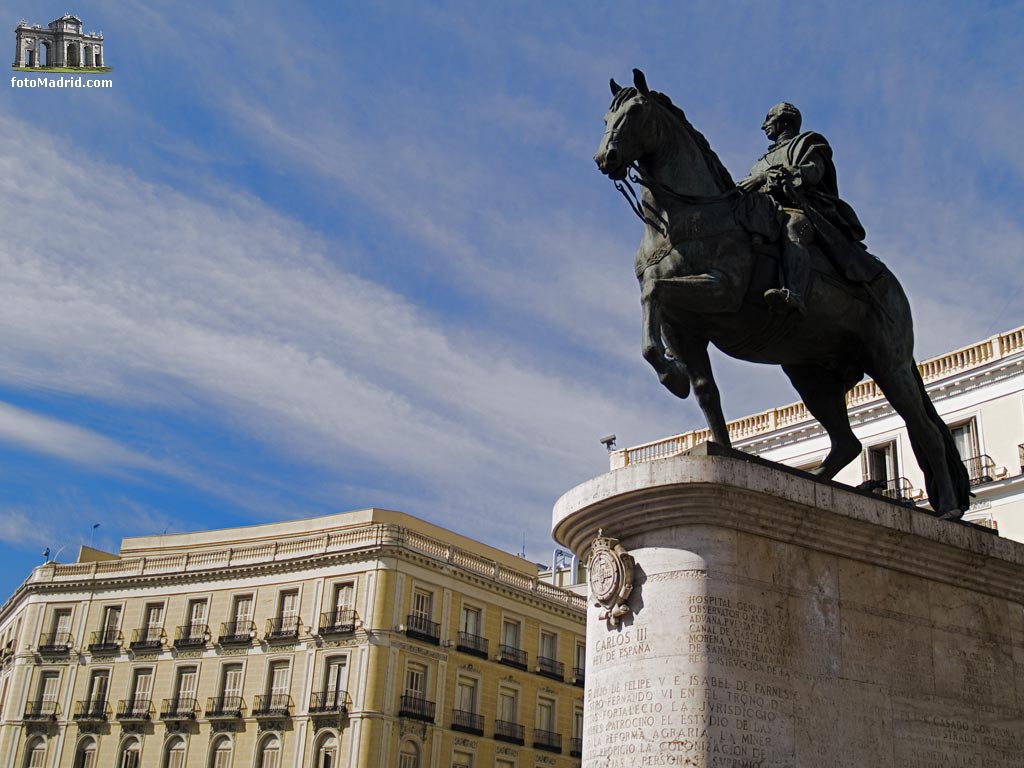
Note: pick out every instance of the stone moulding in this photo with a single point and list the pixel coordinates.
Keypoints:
(721, 490)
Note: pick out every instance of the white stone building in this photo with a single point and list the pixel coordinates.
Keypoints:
(978, 391)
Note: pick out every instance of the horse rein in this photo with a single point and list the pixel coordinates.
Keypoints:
(638, 205)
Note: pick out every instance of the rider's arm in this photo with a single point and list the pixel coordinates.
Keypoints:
(810, 172)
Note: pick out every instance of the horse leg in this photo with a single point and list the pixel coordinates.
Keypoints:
(694, 353)
(824, 394)
(901, 388)
(671, 372)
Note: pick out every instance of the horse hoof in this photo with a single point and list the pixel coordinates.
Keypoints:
(953, 514)
(676, 384)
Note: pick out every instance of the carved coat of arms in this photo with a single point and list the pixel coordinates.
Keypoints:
(610, 572)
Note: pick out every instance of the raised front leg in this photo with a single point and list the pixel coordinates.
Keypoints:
(693, 353)
(671, 372)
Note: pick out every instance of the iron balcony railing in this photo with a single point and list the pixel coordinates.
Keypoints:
(191, 636)
(514, 657)
(981, 469)
(547, 740)
(134, 709)
(147, 638)
(506, 730)
(41, 709)
(55, 642)
(182, 708)
(328, 701)
(467, 722)
(472, 644)
(95, 710)
(578, 676)
(283, 628)
(338, 622)
(236, 633)
(224, 706)
(422, 628)
(1020, 455)
(106, 640)
(550, 668)
(898, 489)
(575, 747)
(416, 707)
(271, 705)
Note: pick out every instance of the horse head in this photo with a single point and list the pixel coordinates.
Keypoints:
(627, 137)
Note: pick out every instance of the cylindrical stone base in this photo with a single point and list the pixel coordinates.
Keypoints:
(779, 622)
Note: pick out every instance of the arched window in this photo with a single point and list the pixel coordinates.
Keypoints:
(326, 752)
(35, 753)
(130, 753)
(85, 755)
(269, 755)
(174, 753)
(220, 753)
(409, 757)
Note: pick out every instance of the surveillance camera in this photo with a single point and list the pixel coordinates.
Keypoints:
(608, 441)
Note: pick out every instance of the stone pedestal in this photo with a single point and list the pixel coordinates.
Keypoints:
(779, 622)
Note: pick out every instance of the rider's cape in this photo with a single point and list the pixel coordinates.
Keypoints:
(838, 228)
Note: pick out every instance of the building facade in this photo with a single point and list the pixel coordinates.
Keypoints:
(61, 44)
(977, 390)
(359, 640)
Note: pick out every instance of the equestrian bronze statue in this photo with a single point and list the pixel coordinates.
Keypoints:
(771, 271)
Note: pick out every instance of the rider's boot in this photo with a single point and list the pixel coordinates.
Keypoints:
(796, 271)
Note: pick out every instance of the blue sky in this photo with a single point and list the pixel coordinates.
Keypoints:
(311, 257)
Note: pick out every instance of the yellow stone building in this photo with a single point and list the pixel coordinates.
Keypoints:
(358, 640)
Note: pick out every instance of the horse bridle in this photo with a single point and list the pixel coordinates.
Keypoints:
(638, 205)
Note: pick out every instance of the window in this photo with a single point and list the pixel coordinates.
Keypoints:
(422, 604)
(409, 756)
(269, 753)
(174, 753)
(35, 754)
(288, 608)
(462, 759)
(130, 751)
(60, 624)
(232, 681)
(142, 689)
(579, 659)
(965, 435)
(577, 723)
(416, 680)
(111, 624)
(242, 613)
(196, 618)
(510, 633)
(85, 754)
(508, 705)
(220, 753)
(465, 695)
(344, 596)
(471, 622)
(185, 689)
(327, 752)
(880, 463)
(335, 681)
(504, 762)
(549, 645)
(96, 696)
(49, 686)
(546, 714)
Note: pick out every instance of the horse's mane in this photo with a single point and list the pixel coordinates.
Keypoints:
(715, 166)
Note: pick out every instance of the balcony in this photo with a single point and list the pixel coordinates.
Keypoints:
(1020, 456)
(40, 710)
(338, 622)
(504, 730)
(578, 676)
(467, 722)
(237, 633)
(472, 644)
(899, 489)
(416, 707)
(134, 709)
(55, 642)
(147, 639)
(422, 628)
(981, 469)
(546, 740)
(575, 747)
(512, 656)
(219, 707)
(272, 705)
(282, 629)
(179, 709)
(91, 711)
(329, 702)
(106, 641)
(550, 668)
(191, 636)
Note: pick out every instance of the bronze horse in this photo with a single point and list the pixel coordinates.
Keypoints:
(702, 280)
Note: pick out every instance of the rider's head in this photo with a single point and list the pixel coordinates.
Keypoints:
(783, 117)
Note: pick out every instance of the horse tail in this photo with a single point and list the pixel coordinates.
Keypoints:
(958, 475)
